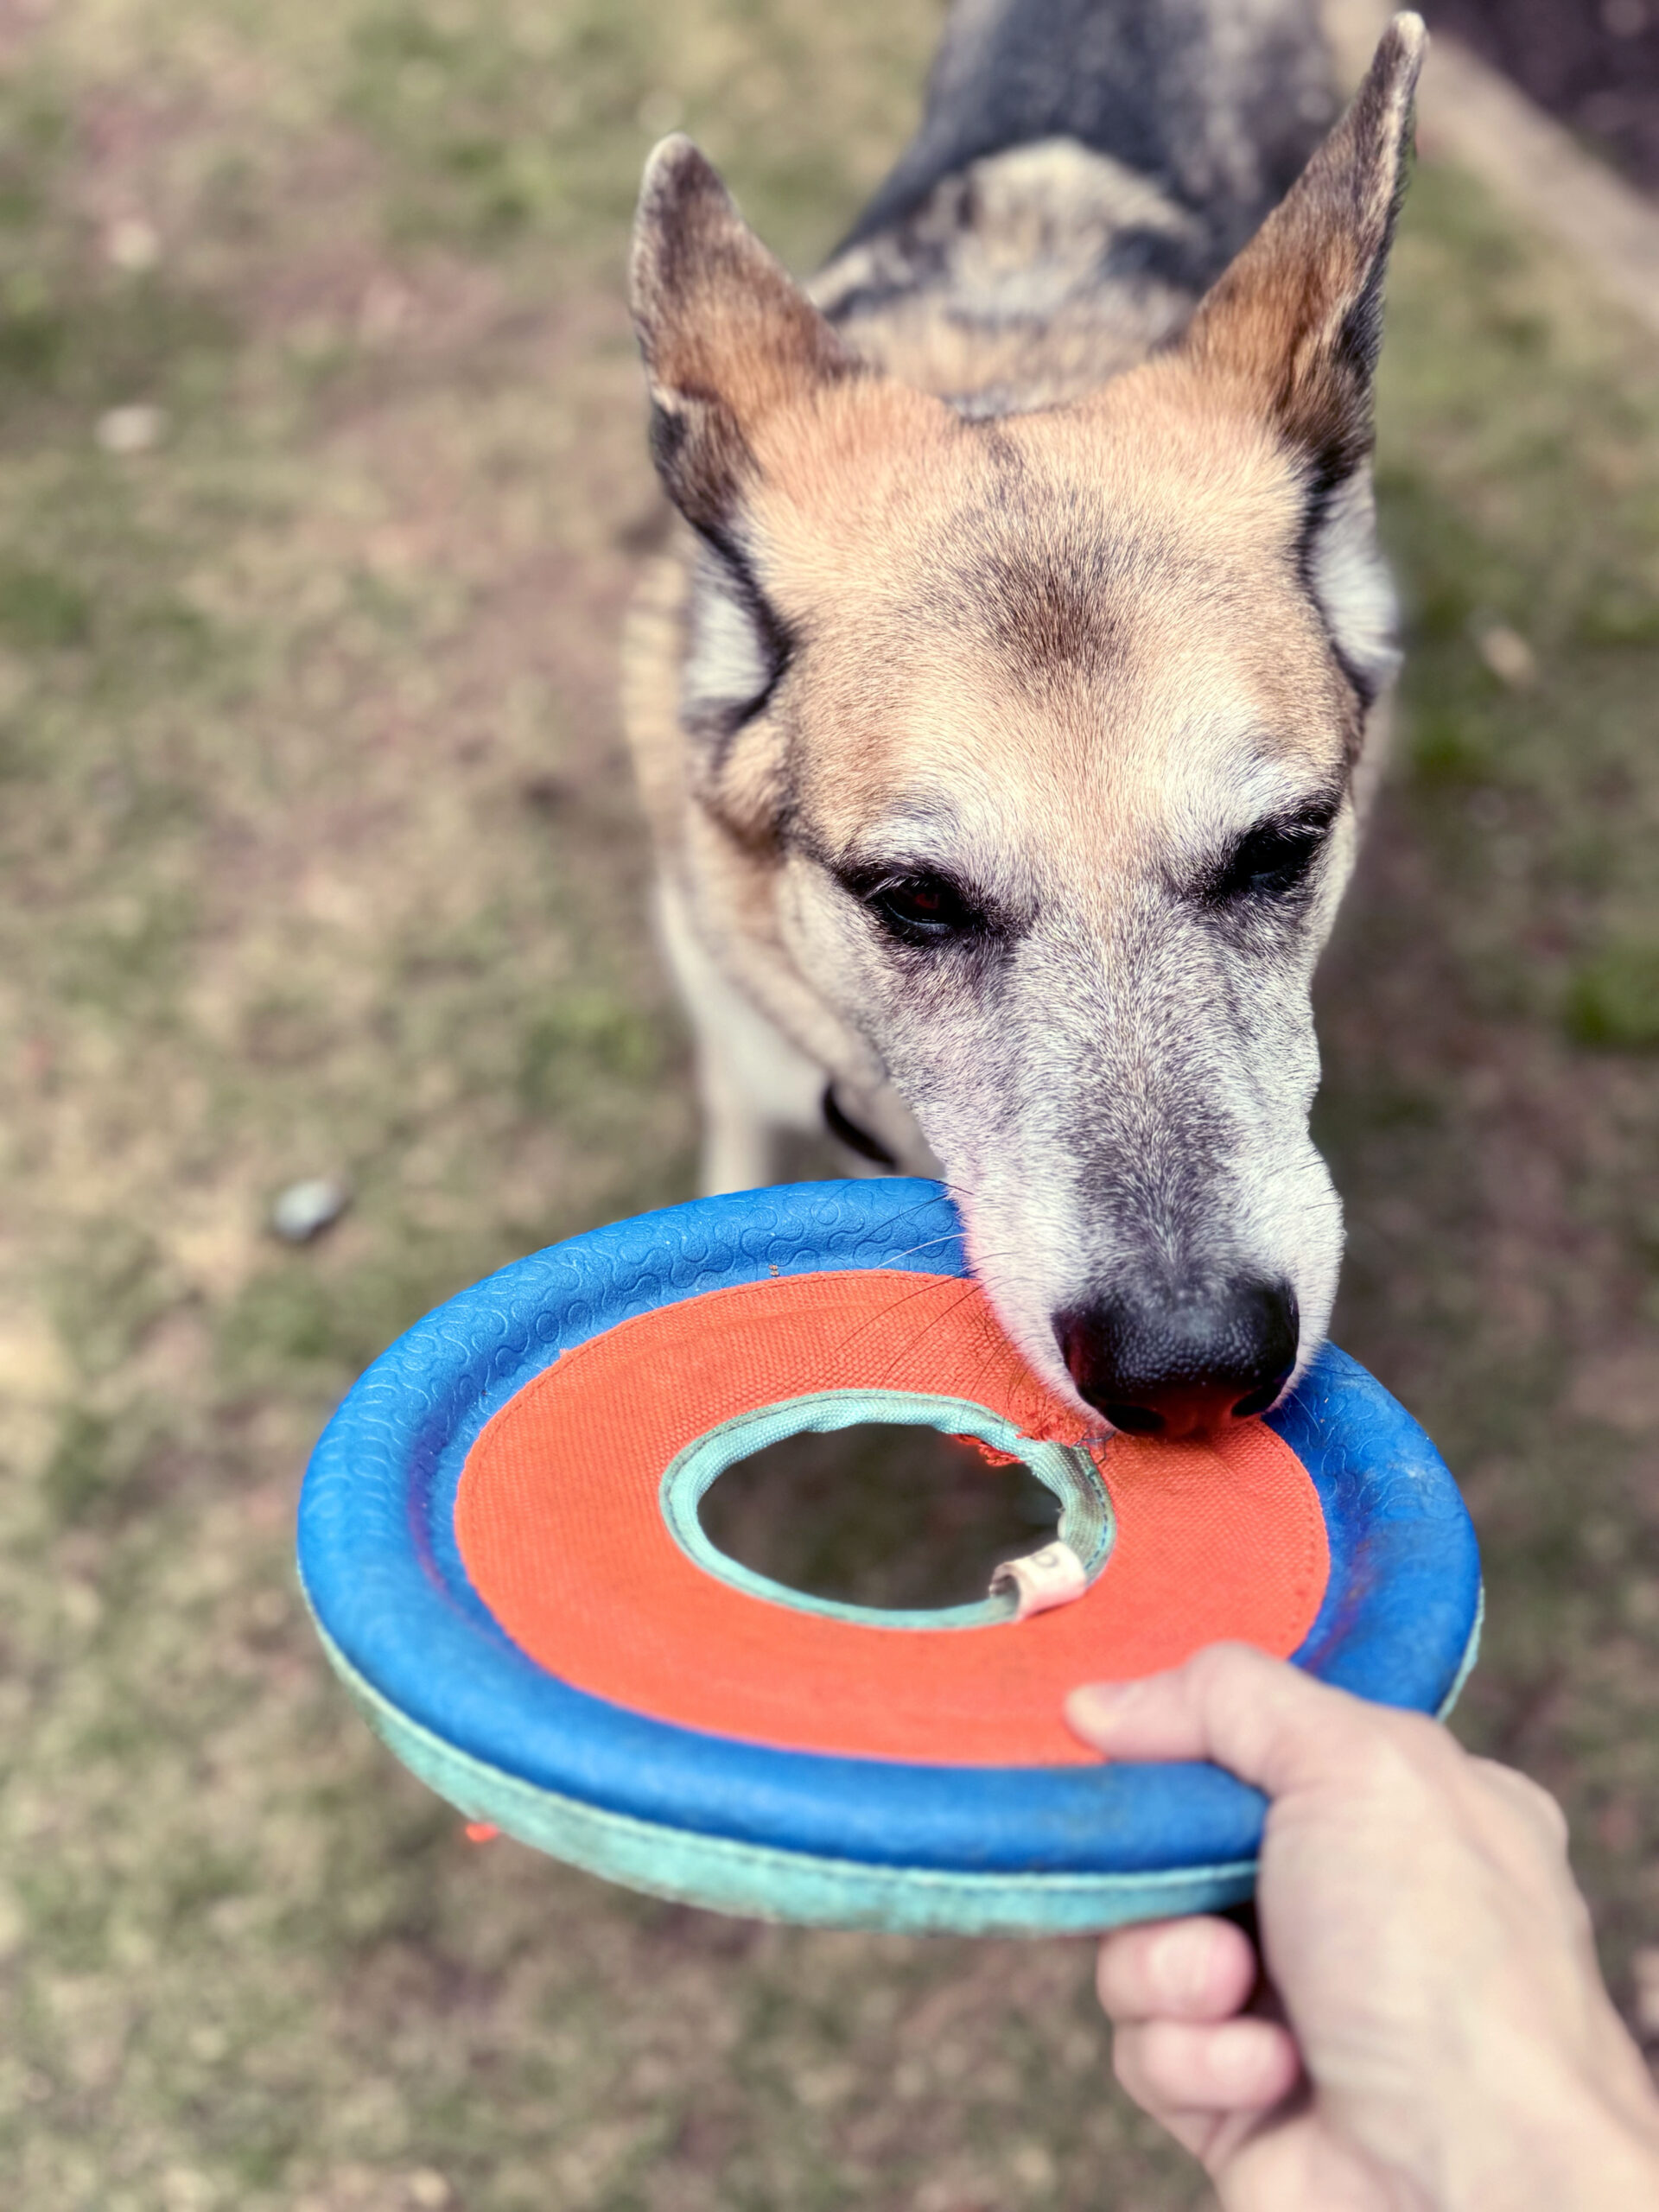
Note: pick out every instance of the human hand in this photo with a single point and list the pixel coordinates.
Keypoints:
(1434, 2032)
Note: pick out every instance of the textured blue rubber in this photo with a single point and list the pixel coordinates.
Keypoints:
(746, 1828)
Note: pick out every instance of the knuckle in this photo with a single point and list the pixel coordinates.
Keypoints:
(1161, 1966)
(1367, 1765)
(1178, 1962)
(1550, 1814)
(1250, 2063)
(1389, 1752)
(1530, 1799)
(1225, 1668)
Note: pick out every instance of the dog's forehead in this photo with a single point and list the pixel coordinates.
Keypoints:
(1090, 617)
(892, 497)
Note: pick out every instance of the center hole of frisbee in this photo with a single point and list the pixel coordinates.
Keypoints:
(888, 1507)
(895, 1518)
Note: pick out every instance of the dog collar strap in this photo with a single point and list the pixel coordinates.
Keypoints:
(841, 1125)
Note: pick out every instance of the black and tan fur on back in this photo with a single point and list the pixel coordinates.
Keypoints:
(1004, 720)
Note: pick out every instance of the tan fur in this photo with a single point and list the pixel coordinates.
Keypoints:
(653, 643)
(1180, 469)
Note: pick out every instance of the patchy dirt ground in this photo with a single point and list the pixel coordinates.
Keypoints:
(323, 486)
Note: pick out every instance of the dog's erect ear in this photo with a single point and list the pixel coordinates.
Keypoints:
(1298, 317)
(726, 336)
(1296, 322)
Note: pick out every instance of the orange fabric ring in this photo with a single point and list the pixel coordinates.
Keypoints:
(559, 1522)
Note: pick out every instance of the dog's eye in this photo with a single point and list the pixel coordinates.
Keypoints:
(1271, 862)
(923, 909)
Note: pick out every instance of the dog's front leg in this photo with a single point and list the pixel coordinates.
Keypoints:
(754, 1085)
(740, 1146)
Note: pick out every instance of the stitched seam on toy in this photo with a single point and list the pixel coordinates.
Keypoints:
(1087, 1521)
(736, 1852)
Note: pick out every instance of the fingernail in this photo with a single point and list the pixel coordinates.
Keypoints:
(1092, 1708)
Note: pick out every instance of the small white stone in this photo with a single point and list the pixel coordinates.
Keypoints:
(130, 430)
(184, 2188)
(130, 242)
(1509, 656)
(305, 1209)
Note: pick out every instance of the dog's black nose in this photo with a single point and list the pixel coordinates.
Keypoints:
(1176, 1363)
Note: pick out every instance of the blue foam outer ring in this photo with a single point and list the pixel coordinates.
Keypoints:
(451, 1693)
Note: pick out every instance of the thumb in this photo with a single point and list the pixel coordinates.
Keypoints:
(1262, 1718)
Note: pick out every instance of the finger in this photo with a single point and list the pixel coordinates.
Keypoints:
(1262, 1719)
(1197, 1969)
(1171, 2067)
(1529, 1797)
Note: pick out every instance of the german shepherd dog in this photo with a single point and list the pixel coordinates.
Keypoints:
(1006, 714)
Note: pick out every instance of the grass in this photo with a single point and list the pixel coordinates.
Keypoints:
(322, 860)
(1492, 1103)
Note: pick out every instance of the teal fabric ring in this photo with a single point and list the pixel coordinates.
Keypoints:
(1086, 1521)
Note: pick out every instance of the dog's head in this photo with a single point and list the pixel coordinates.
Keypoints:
(1043, 731)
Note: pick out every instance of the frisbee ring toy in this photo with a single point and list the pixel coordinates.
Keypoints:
(500, 1541)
